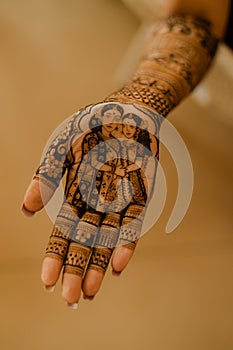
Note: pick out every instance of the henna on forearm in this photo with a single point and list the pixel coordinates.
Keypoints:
(178, 52)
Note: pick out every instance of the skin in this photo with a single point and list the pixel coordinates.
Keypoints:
(110, 119)
(129, 128)
(73, 286)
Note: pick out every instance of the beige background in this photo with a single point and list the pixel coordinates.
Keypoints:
(57, 56)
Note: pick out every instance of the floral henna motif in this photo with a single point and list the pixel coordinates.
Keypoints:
(56, 159)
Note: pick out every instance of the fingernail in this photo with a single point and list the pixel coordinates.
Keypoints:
(72, 306)
(86, 297)
(49, 289)
(26, 212)
(116, 273)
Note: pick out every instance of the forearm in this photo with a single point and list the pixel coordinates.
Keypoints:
(178, 52)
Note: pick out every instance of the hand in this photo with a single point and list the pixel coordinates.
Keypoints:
(101, 216)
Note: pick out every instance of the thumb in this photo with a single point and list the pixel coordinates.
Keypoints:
(50, 171)
(36, 197)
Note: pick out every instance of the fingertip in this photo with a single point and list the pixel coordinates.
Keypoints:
(50, 271)
(72, 306)
(86, 297)
(116, 273)
(92, 283)
(120, 259)
(37, 195)
(26, 212)
(49, 289)
(71, 288)
(32, 199)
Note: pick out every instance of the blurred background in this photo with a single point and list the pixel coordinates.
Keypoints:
(58, 56)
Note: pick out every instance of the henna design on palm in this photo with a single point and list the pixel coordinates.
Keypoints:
(110, 159)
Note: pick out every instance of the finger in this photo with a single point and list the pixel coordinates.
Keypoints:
(51, 170)
(97, 267)
(106, 241)
(36, 197)
(78, 255)
(71, 289)
(130, 232)
(74, 268)
(131, 225)
(58, 244)
(91, 284)
(121, 257)
(55, 255)
(50, 272)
